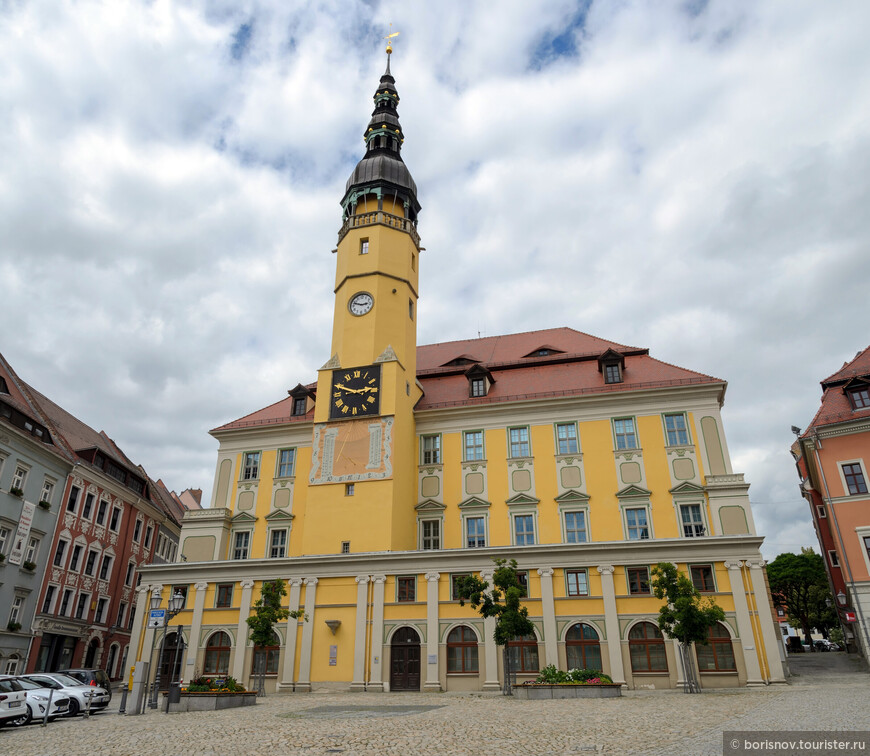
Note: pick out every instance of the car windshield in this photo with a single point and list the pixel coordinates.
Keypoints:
(7, 686)
(29, 684)
(45, 682)
(68, 681)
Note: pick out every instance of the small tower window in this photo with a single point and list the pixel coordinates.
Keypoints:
(345, 547)
(411, 309)
(348, 489)
(364, 246)
(478, 387)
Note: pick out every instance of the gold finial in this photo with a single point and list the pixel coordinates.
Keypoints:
(389, 39)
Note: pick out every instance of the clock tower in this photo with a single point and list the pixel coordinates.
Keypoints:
(363, 471)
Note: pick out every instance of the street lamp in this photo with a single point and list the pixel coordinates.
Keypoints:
(841, 597)
(176, 603)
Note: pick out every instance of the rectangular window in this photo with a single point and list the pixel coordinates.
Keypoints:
(278, 544)
(820, 511)
(523, 580)
(300, 405)
(49, 597)
(116, 519)
(675, 425)
(82, 606)
(182, 589)
(638, 580)
(89, 505)
(286, 463)
(475, 530)
(406, 588)
(60, 552)
(241, 544)
(524, 530)
(855, 479)
(454, 592)
(128, 577)
(693, 521)
(74, 559)
(349, 489)
(19, 477)
(575, 527)
(363, 246)
(473, 445)
(478, 387)
(345, 547)
(65, 602)
(122, 611)
(411, 309)
(636, 524)
(251, 470)
(106, 567)
(102, 605)
(833, 558)
(101, 512)
(15, 612)
(47, 491)
(860, 398)
(566, 437)
(623, 429)
(431, 534)
(137, 530)
(519, 442)
(91, 563)
(4, 539)
(612, 373)
(149, 531)
(224, 596)
(431, 446)
(577, 582)
(702, 577)
(32, 550)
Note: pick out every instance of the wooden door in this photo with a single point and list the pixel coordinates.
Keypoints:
(405, 660)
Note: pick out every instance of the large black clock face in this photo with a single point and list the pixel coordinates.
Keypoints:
(356, 392)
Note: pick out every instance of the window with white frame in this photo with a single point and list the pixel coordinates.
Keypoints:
(101, 512)
(32, 550)
(102, 605)
(65, 602)
(75, 557)
(4, 538)
(473, 443)
(675, 427)
(47, 490)
(692, 519)
(241, 544)
(115, 520)
(122, 611)
(475, 532)
(88, 508)
(19, 477)
(137, 530)
(524, 529)
(17, 606)
(637, 523)
(624, 433)
(82, 606)
(820, 511)
(91, 563)
(60, 552)
(128, 577)
(566, 438)
(286, 463)
(575, 527)
(278, 543)
(11, 666)
(50, 592)
(854, 477)
(576, 582)
(149, 532)
(519, 442)
(431, 534)
(106, 567)
(833, 558)
(73, 499)
(431, 449)
(251, 467)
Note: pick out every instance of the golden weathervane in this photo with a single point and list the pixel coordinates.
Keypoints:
(389, 39)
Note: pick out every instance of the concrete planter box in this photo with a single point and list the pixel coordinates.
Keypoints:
(542, 691)
(213, 701)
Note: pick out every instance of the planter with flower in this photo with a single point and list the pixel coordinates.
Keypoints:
(575, 683)
(213, 693)
(46, 505)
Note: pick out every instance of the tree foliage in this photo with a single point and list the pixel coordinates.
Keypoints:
(267, 612)
(686, 615)
(799, 585)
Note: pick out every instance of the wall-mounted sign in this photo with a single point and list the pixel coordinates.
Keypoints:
(333, 656)
(850, 616)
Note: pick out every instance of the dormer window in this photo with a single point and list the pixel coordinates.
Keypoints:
(479, 380)
(612, 373)
(299, 406)
(860, 397)
(611, 365)
(545, 350)
(478, 386)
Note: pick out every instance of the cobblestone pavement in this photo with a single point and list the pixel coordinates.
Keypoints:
(641, 722)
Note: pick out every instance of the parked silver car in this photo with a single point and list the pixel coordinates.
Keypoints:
(78, 693)
(39, 699)
(13, 700)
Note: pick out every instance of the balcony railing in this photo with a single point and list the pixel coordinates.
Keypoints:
(379, 217)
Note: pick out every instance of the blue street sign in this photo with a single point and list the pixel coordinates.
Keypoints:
(155, 617)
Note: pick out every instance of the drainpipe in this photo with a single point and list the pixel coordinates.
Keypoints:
(857, 604)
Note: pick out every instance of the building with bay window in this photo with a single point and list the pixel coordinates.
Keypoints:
(401, 467)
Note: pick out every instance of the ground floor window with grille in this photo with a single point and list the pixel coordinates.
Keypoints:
(266, 658)
(523, 653)
(217, 655)
(718, 653)
(646, 647)
(462, 650)
(582, 647)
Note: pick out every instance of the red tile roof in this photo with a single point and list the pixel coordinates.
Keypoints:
(835, 406)
(572, 372)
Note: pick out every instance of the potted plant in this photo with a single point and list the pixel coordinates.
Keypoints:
(2, 557)
(16, 491)
(213, 693)
(29, 566)
(13, 627)
(44, 504)
(575, 683)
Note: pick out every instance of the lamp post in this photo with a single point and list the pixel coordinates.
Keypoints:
(176, 603)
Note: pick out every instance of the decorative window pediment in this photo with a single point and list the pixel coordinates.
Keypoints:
(686, 489)
(279, 516)
(480, 380)
(633, 492)
(430, 505)
(520, 499)
(474, 502)
(242, 517)
(572, 497)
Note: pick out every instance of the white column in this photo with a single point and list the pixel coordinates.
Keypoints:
(189, 663)
(242, 631)
(289, 668)
(359, 639)
(769, 634)
(433, 683)
(678, 660)
(490, 649)
(153, 635)
(376, 679)
(611, 624)
(744, 623)
(548, 609)
(303, 685)
(139, 619)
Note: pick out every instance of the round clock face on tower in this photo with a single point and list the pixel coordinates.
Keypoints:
(355, 392)
(361, 303)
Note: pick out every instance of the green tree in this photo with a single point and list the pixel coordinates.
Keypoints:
(502, 601)
(799, 585)
(686, 616)
(267, 612)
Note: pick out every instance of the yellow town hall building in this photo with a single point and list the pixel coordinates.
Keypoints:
(405, 466)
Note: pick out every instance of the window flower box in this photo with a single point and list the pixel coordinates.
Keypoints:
(44, 505)
(15, 491)
(29, 566)
(13, 627)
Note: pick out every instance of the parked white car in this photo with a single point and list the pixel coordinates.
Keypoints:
(78, 693)
(38, 700)
(13, 701)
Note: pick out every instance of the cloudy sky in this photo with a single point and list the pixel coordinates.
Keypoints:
(170, 175)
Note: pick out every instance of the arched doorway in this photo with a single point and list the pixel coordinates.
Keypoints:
(91, 655)
(110, 664)
(170, 660)
(405, 660)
